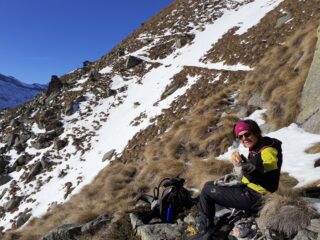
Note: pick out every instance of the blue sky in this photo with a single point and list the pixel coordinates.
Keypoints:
(40, 38)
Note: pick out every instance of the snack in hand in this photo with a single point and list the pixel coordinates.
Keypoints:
(236, 158)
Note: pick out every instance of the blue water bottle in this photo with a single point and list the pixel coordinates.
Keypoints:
(169, 214)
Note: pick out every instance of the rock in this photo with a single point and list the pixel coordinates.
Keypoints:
(306, 235)
(70, 231)
(169, 91)
(133, 61)
(34, 171)
(59, 144)
(3, 193)
(182, 39)
(81, 99)
(86, 63)
(13, 203)
(15, 123)
(108, 155)
(309, 116)
(317, 163)
(23, 159)
(22, 219)
(71, 108)
(96, 224)
(256, 101)
(123, 88)
(51, 97)
(53, 125)
(64, 232)
(155, 230)
(314, 226)
(45, 139)
(111, 92)
(94, 76)
(54, 86)
(159, 231)
(21, 139)
(3, 165)
(4, 179)
(10, 139)
(282, 20)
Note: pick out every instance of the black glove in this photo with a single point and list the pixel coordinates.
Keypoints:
(248, 168)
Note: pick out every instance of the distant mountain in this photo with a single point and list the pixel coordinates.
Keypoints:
(13, 92)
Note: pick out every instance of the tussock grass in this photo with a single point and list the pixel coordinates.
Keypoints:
(314, 149)
(279, 211)
(286, 184)
(200, 171)
(280, 75)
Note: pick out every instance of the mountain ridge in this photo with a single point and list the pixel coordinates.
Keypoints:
(22, 92)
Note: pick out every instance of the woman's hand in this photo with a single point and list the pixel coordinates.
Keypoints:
(236, 159)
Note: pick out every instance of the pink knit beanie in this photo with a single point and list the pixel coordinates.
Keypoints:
(240, 127)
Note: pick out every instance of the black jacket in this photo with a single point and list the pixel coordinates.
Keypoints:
(262, 170)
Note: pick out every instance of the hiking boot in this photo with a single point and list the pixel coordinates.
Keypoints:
(204, 235)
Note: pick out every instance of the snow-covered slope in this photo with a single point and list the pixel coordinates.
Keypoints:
(56, 147)
(14, 92)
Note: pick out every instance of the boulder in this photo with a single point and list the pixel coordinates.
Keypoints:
(13, 203)
(3, 193)
(283, 19)
(94, 76)
(70, 231)
(71, 108)
(10, 139)
(22, 219)
(256, 101)
(64, 232)
(86, 63)
(96, 224)
(123, 88)
(182, 39)
(108, 155)
(21, 139)
(4, 179)
(309, 117)
(36, 169)
(314, 226)
(133, 61)
(44, 140)
(59, 144)
(154, 231)
(3, 165)
(55, 85)
(306, 235)
(111, 92)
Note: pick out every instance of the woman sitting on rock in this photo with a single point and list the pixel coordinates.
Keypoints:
(260, 175)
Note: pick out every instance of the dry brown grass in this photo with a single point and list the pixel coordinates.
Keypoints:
(280, 76)
(314, 149)
(279, 212)
(286, 184)
(200, 171)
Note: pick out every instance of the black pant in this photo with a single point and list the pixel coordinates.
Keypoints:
(239, 197)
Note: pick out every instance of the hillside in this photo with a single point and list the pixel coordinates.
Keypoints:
(14, 92)
(161, 103)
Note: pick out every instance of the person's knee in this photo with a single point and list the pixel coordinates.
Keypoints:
(208, 187)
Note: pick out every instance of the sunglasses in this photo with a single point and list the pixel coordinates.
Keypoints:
(245, 135)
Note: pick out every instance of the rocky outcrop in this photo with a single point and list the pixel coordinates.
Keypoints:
(54, 86)
(309, 117)
(182, 39)
(70, 231)
(133, 61)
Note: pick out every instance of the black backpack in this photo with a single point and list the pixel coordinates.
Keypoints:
(172, 201)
